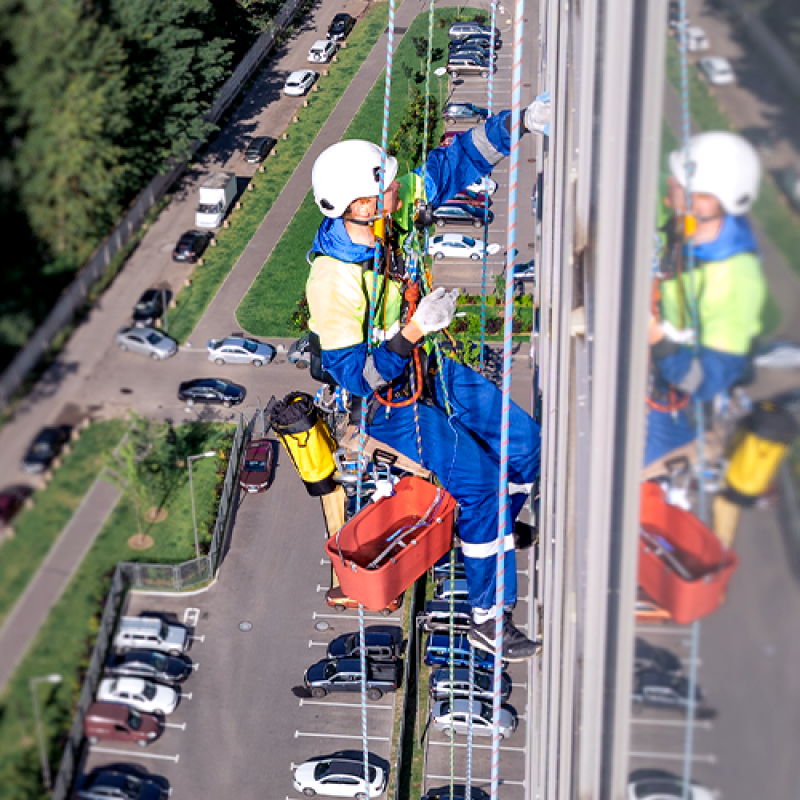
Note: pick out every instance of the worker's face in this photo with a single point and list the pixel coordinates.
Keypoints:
(704, 206)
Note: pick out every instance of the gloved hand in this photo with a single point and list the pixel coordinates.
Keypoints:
(435, 311)
(537, 115)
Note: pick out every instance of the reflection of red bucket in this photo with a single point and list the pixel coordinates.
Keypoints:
(695, 546)
(417, 507)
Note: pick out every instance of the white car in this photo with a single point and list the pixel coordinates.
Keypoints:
(298, 83)
(485, 184)
(716, 70)
(239, 350)
(322, 51)
(696, 39)
(338, 776)
(140, 694)
(457, 245)
(444, 716)
(664, 787)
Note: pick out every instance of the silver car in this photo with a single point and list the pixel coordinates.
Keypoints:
(147, 341)
(444, 717)
(240, 350)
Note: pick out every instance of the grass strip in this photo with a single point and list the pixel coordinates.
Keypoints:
(64, 643)
(267, 308)
(193, 300)
(37, 528)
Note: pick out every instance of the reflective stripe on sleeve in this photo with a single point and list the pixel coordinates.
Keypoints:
(484, 146)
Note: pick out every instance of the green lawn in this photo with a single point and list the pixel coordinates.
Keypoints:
(267, 308)
(231, 242)
(64, 643)
(37, 528)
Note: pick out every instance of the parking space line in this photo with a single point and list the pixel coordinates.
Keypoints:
(478, 746)
(299, 734)
(190, 617)
(709, 759)
(459, 778)
(304, 702)
(324, 561)
(187, 696)
(312, 643)
(321, 588)
(318, 615)
(180, 725)
(198, 638)
(662, 629)
(129, 753)
(196, 666)
(674, 723)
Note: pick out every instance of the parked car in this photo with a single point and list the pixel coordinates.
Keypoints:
(340, 27)
(239, 350)
(484, 184)
(140, 694)
(472, 198)
(300, 353)
(455, 245)
(381, 646)
(476, 50)
(339, 776)
(299, 82)
(436, 616)
(112, 784)
(440, 686)
(151, 633)
(477, 40)
(322, 51)
(456, 715)
(45, 447)
(258, 149)
(457, 589)
(674, 14)
(211, 390)
(649, 656)
(648, 611)
(447, 138)
(696, 39)
(652, 687)
(525, 271)
(441, 569)
(338, 601)
(483, 39)
(451, 213)
(344, 675)
(149, 664)
(149, 307)
(191, 246)
(257, 466)
(716, 70)
(438, 652)
(466, 112)
(120, 723)
(469, 64)
(147, 342)
(789, 181)
(12, 498)
(665, 787)
(460, 30)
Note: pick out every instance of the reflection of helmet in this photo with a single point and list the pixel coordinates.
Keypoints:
(346, 171)
(721, 164)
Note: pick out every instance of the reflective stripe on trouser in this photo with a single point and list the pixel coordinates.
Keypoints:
(464, 454)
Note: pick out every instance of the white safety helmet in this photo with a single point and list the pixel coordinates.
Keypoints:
(723, 165)
(346, 171)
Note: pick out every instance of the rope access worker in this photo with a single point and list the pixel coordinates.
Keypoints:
(726, 285)
(462, 448)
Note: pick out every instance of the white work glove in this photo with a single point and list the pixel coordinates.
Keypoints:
(435, 311)
(537, 115)
(673, 334)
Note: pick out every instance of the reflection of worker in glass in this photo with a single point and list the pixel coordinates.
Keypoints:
(726, 286)
(461, 448)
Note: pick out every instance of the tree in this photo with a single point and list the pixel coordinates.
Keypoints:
(407, 143)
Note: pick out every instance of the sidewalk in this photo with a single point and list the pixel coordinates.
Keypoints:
(52, 577)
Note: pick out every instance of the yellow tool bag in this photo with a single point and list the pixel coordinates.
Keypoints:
(307, 440)
(758, 449)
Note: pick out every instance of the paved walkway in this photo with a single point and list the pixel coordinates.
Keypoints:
(52, 577)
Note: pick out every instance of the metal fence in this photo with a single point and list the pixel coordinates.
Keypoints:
(72, 749)
(76, 294)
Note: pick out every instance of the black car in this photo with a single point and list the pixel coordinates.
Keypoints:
(111, 784)
(652, 687)
(789, 181)
(211, 390)
(258, 149)
(648, 656)
(12, 498)
(49, 442)
(150, 307)
(481, 39)
(473, 49)
(150, 665)
(191, 246)
(462, 214)
(380, 646)
(340, 27)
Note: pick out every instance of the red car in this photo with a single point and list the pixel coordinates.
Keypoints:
(257, 467)
(12, 498)
(470, 198)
